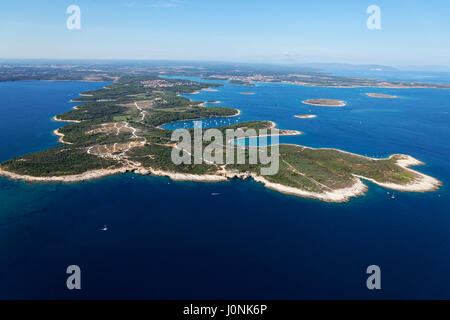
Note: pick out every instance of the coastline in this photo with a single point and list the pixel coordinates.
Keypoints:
(164, 124)
(384, 86)
(202, 104)
(336, 103)
(55, 118)
(338, 195)
(381, 96)
(61, 136)
(422, 184)
(209, 89)
(273, 125)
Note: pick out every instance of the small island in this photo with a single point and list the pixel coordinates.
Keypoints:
(306, 116)
(381, 95)
(325, 102)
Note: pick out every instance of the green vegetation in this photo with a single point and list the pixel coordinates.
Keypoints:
(103, 124)
(119, 126)
(325, 102)
(122, 118)
(333, 168)
(59, 161)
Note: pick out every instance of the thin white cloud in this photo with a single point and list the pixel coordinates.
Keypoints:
(166, 4)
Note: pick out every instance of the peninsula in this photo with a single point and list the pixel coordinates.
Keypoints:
(119, 129)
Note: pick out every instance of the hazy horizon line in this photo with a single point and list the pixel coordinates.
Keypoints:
(280, 63)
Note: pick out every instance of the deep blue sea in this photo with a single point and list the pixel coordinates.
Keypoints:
(176, 240)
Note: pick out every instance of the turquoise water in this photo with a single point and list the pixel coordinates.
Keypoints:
(177, 240)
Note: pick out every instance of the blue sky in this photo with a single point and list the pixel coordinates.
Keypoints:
(296, 31)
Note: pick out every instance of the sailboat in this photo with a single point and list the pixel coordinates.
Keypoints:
(393, 195)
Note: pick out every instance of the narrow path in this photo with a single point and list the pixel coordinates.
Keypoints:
(122, 156)
(133, 131)
(142, 112)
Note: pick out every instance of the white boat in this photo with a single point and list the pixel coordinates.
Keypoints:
(105, 228)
